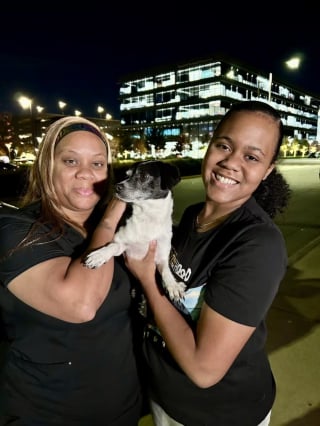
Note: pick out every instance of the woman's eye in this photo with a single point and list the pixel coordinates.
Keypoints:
(252, 158)
(99, 164)
(70, 161)
(222, 146)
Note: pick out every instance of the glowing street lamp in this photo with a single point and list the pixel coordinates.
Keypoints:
(100, 110)
(292, 63)
(77, 112)
(26, 103)
(39, 109)
(62, 105)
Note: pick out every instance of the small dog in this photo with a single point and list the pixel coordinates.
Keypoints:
(147, 189)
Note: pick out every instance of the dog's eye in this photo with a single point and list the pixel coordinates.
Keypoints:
(143, 176)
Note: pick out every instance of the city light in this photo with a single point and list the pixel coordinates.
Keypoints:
(292, 63)
(62, 105)
(26, 103)
(100, 110)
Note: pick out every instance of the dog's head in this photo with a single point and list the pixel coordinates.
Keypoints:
(147, 180)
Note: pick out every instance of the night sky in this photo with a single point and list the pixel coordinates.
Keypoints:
(51, 54)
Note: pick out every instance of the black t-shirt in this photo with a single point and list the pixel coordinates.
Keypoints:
(236, 268)
(58, 372)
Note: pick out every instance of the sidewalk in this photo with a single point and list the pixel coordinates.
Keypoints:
(294, 333)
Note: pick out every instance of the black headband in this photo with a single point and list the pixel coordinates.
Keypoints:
(79, 126)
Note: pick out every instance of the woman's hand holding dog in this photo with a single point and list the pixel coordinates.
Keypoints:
(144, 269)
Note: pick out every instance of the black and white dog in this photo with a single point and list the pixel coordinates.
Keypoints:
(147, 189)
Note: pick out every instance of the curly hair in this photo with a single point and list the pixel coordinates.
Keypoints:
(273, 194)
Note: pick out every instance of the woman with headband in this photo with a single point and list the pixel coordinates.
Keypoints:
(70, 358)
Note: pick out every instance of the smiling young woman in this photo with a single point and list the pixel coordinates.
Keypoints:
(208, 364)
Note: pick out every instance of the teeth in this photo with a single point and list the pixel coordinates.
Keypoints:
(225, 180)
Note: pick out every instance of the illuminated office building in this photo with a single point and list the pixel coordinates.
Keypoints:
(188, 100)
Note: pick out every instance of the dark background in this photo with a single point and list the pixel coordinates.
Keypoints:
(78, 52)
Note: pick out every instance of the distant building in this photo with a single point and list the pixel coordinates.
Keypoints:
(185, 102)
(30, 130)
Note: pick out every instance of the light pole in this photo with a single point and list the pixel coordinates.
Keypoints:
(270, 86)
(292, 63)
(100, 110)
(62, 105)
(26, 103)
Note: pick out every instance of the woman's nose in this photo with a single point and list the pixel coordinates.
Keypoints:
(231, 161)
(84, 172)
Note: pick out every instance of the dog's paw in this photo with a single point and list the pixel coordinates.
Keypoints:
(176, 290)
(94, 259)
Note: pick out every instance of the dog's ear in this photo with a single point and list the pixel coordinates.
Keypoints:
(170, 175)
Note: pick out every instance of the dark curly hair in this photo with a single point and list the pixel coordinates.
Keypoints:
(273, 193)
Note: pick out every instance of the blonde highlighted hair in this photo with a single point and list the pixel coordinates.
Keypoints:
(40, 185)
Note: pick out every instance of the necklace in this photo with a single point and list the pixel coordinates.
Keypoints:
(210, 224)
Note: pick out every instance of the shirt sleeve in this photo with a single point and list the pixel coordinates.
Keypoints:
(15, 260)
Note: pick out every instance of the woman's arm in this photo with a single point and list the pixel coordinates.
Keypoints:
(65, 288)
(204, 355)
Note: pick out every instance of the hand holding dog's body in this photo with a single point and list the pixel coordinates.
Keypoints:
(144, 225)
(148, 190)
(133, 238)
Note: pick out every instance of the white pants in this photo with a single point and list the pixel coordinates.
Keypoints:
(161, 418)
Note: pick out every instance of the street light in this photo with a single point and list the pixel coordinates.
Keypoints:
(62, 105)
(77, 112)
(292, 63)
(100, 110)
(26, 103)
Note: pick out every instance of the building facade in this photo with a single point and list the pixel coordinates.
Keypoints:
(30, 129)
(187, 101)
